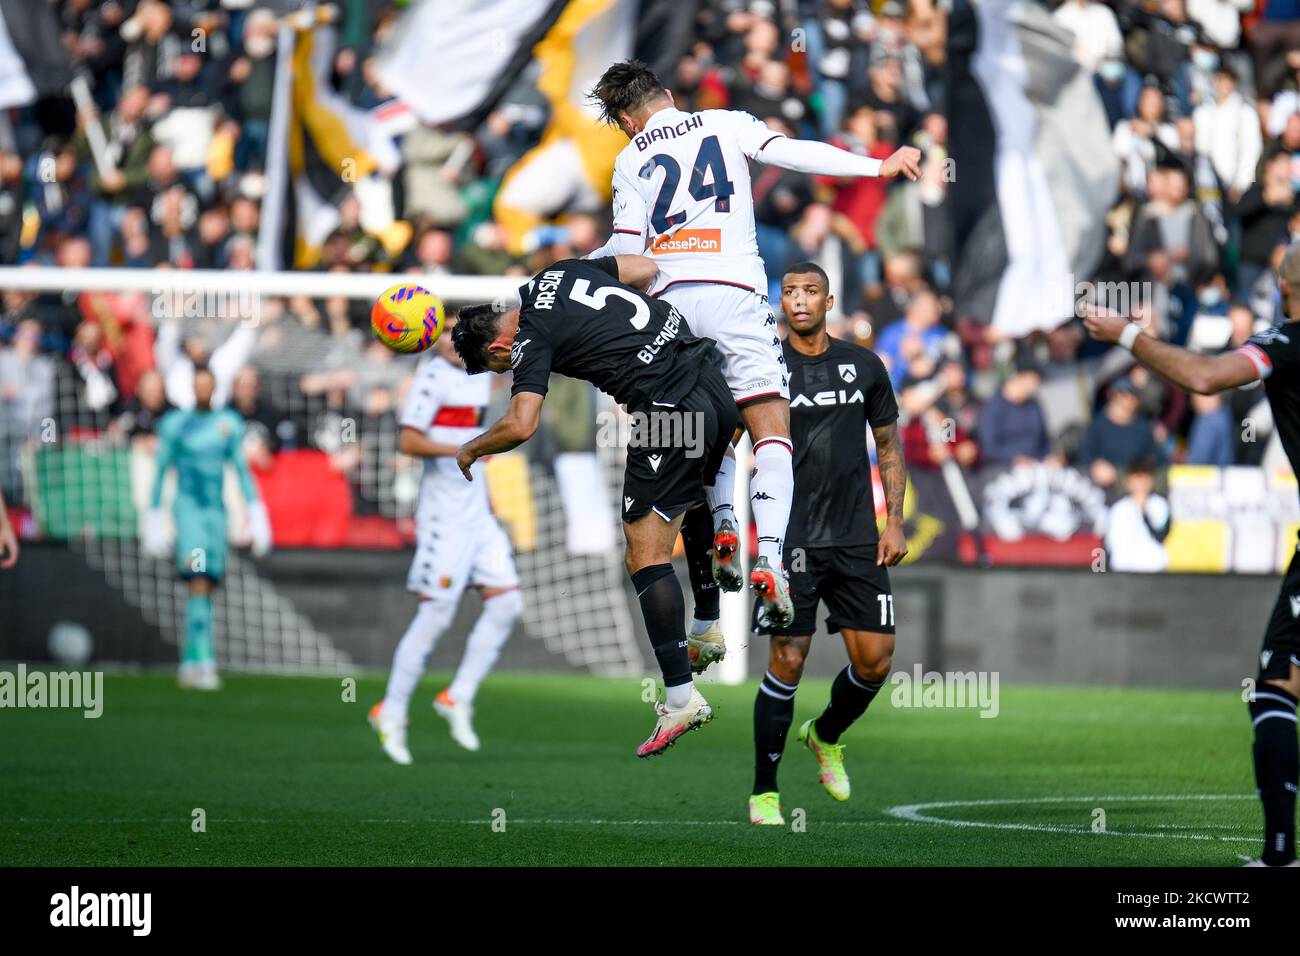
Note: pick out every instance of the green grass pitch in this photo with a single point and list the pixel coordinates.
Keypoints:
(286, 772)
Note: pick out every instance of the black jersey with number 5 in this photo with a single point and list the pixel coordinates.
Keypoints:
(834, 398)
(577, 319)
(1276, 354)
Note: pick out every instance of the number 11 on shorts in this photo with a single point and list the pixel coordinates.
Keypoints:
(886, 609)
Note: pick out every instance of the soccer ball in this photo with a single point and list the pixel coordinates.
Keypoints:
(407, 318)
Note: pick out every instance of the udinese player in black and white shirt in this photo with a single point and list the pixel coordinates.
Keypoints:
(577, 318)
(1273, 357)
(833, 551)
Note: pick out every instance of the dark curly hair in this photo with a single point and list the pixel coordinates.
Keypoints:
(624, 88)
(476, 326)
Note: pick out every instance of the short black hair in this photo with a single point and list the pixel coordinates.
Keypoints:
(800, 268)
(624, 88)
(476, 326)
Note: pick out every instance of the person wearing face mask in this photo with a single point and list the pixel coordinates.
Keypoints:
(1119, 86)
(916, 218)
(1194, 78)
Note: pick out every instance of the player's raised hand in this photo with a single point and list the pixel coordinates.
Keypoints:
(905, 160)
(1104, 325)
(892, 547)
(464, 460)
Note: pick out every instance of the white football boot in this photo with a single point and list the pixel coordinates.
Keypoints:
(392, 735)
(705, 648)
(673, 723)
(460, 718)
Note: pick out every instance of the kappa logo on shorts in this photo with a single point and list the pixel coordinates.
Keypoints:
(848, 372)
(1295, 605)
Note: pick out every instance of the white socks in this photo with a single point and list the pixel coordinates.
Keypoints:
(431, 619)
(722, 493)
(490, 634)
(699, 627)
(678, 697)
(771, 493)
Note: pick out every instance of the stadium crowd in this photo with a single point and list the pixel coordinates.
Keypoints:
(1202, 96)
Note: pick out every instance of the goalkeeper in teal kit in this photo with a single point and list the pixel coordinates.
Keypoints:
(198, 444)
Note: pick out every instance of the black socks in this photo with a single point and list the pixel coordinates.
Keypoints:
(850, 696)
(773, 713)
(1277, 766)
(664, 610)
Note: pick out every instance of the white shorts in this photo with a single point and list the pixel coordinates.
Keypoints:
(743, 325)
(450, 557)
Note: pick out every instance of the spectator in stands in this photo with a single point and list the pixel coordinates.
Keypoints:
(1012, 430)
(939, 418)
(1171, 241)
(26, 396)
(916, 218)
(1265, 212)
(1227, 130)
(141, 412)
(1212, 438)
(1135, 139)
(1096, 32)
(252, 76)
(857, 203)
(129, 143)
(837, 34)
(266, 428)
(920, 332)
(1138, 523)
(1117, 437)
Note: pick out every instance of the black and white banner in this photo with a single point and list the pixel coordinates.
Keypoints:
(1035, 171)
(33, 62)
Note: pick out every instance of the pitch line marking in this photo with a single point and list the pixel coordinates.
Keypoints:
(914, 813)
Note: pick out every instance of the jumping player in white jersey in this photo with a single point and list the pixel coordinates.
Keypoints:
(458, 544)
(682, 195)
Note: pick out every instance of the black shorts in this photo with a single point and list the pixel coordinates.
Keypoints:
(1282, 639)
(674, 452)
(855, 589)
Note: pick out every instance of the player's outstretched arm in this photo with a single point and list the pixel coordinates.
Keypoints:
(893, 478)
(823, 159)
(515, 427)
(411, 441)
(1203, 374)
(637, 271)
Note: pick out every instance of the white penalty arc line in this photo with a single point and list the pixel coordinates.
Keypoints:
(915, 813)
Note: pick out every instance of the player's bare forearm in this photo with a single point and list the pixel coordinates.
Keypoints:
(637, 271)
(1204, 374)
(511, 430)
(419, 445)
(893, 471)
(893, 478)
